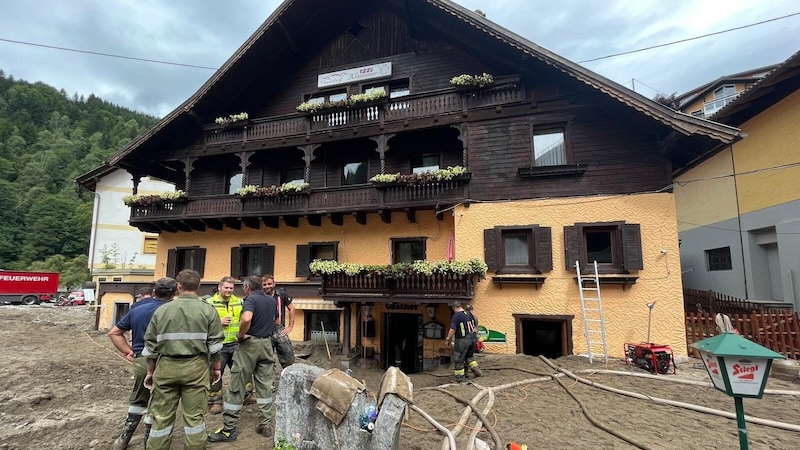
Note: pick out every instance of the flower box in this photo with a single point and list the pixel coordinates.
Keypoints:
(286, 189)
(155, 199)
(416, 179)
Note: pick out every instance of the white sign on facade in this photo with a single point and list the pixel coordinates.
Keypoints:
(356, 74)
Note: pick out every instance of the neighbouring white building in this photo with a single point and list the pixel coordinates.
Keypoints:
(119, 252)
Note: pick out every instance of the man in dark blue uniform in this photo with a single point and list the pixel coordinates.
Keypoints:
(254, 358)
(462, 330)
(136, 321)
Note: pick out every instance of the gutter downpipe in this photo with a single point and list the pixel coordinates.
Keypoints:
(93, 243)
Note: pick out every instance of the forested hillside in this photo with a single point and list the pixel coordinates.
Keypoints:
(47, 139)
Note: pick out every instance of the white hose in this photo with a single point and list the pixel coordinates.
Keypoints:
(729, 415)
(450, 438)
(478, 423)
(677, 380)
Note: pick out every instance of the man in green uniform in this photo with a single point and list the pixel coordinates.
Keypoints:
(229, 309)
(253, 358)
(182, 337)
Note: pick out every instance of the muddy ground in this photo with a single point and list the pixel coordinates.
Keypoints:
(63, 386)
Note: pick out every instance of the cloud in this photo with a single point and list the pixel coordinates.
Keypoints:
(206, 33)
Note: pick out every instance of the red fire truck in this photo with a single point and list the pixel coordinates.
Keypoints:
(27, 288)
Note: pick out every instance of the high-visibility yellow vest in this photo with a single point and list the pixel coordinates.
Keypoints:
(233, 309)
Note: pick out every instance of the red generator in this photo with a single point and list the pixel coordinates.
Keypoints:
(651, 357)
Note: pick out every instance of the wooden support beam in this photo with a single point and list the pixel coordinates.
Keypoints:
(251, 222)
(214, 224)
(292, 221)
(165, 226)
(234, 223)
(337, 219)
(386, 215)
(360, 217)
(315, 220)
(411, 213)
(196, 225)
(272, 221)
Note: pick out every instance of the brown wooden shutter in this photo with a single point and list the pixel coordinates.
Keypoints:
(200, 261)
(172, 256)
(572, 246)
(490, 248)
(236, 263)
(632, 247)
(303, 259)
(269, 260)
(543, 240)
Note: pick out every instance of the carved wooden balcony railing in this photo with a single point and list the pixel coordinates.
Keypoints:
(446, 101)
(346, 199)
(417, 287)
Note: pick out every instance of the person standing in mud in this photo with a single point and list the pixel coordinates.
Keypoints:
(136, 321)
(229, 309)
(253, 359)
(462, 336)
(183, 336)
(281, 343)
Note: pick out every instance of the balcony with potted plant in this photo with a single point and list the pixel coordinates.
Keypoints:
(424, 280)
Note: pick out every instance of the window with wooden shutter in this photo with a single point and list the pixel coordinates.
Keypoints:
(615, 246)
(518, 249)
(252, 259)
(181, 258)
(314, 250)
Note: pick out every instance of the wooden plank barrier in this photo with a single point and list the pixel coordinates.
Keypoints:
(778, 331)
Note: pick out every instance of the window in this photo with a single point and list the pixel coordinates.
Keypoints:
(116, 279)
(314, 250)
(185, 258)
(724, 91)
(150, 244)
(549, 147)
(616, 246)
(518, 249)
(120, 309)
(396, 89)
(330, 97)
(295, 175)
(322, 326)
(718, 259)
(252, 259)
(354, 173)
(234, 182)
(427, 162)
(408, 250)
(101, 279)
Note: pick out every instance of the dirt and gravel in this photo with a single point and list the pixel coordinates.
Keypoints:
(63, 386)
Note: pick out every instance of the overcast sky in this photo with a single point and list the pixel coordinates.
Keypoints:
(206, 33)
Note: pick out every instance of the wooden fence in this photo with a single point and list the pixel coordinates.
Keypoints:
(778, 331)
(714, 302)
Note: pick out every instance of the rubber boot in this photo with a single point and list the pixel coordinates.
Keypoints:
(476, 371)
(147, 428)
(121, 443)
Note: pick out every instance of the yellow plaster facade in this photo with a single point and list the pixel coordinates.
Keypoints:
(625, 311)
(767, 171)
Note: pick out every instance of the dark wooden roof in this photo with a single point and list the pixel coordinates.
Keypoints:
(299, 27)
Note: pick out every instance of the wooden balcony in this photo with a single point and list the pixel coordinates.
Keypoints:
(376, 288)
(233, 212)
(399, 110)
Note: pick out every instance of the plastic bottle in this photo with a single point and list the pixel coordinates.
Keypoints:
(368, 417)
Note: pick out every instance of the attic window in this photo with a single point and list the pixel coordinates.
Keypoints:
(356, 29)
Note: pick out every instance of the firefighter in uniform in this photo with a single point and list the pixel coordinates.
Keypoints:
(253, 358)
(281, 343)
(462, 330)
(229, 309)
(136, 321)
(182, 337)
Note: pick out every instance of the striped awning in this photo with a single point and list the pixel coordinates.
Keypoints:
(315, 304)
